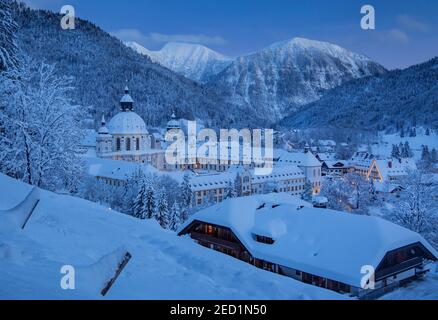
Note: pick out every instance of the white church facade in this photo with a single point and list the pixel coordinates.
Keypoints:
(127, 138)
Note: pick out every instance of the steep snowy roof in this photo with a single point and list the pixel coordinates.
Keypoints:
(395, 167)
(362, 159)
(127, 123)
(306, 159)
(322, 242)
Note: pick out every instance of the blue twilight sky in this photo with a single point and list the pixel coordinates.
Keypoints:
(406, 34)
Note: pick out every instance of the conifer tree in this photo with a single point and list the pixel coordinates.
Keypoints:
(162, 214)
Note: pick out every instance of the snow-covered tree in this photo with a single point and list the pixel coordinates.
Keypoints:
(333, 191)
(186, 193)
(308, 192)
(413, 132)
(361, 196)
(426, 161)
(396, 154)
(434, 156)
(406, 151)
(162, 214)
(140, 201)
(238, 186)
(402, 132)
(350, 193)
(175, 217)
(149, 203)
(41, 130)
(230, 191)
(129, 192)
(8, 28)
(425, 155)
(416, 209)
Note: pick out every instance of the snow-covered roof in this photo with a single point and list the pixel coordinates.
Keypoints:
(362, 160)
(127, 123)
(386, 187)
(306, 159)
(222, 180)
(395, 167)
(321, 242)
(103, 131)
(337, 164)
(325, 156)
(114, 169)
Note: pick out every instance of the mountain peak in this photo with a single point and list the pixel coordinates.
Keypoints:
(189, 49)
(306, 44)
(194, 61)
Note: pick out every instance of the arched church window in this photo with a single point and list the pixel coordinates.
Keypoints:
(138, 144)
(118, 144)
(128, 144)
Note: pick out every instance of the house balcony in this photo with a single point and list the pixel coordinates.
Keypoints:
(216, 241)
(416, 263)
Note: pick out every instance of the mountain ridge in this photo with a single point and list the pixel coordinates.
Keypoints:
(286, 75)
(408, 96)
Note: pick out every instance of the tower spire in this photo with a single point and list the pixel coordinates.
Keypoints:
(127, 103)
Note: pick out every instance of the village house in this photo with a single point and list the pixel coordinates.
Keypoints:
(320, 247)
(340, 168)
(390, 170)
(212, 188)
(361, 162)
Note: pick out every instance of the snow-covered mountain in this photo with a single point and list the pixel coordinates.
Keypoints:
(397, 98)
(193, 61)
(286, 75)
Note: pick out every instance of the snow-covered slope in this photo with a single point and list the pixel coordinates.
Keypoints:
(278, 79)
(91, 238)
(194, 61)
(383, 148)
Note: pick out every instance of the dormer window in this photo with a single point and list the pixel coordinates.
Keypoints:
(264, 239)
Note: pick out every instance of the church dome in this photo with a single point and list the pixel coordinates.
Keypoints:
(127, 123)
